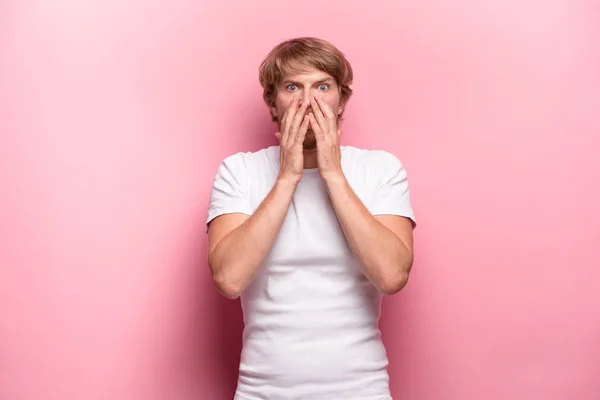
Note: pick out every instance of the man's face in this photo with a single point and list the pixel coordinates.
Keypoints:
(306, 85)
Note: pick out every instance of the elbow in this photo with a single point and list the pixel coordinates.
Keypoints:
(229, 291)
(227, 285)
(393, 285)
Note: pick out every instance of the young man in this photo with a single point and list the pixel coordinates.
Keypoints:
(311, 234)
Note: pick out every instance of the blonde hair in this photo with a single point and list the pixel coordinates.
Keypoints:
(296, 55)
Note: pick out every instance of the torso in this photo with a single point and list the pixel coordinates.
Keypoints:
(311, 316)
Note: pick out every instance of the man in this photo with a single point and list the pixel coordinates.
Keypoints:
(311, 234)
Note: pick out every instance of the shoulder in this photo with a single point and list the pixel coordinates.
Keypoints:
(250, 160)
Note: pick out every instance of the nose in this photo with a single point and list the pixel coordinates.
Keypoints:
(308, 95)
(307, 98)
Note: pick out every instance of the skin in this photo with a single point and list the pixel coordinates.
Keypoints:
(308, 108)
(305, 86)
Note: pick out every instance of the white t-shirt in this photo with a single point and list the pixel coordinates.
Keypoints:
(311, 316)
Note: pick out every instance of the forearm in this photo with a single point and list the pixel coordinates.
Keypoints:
(386, 260)
(238, 256)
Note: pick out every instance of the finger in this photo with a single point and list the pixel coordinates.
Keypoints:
(291, 111)
(283, 129)
(288, 115)
(283, 118)
(298, 118)
(324, 106)
(330, 116)
(283, 140)
(319, 117)
(302, 131)
(319, 134)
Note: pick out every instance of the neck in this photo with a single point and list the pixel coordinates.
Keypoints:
(310, 159)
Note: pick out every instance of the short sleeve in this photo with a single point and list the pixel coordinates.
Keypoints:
(392, 193)
(229, 190)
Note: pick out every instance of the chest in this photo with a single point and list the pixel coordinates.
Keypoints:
(311, 234)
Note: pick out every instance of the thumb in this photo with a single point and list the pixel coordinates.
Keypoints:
(278, 135)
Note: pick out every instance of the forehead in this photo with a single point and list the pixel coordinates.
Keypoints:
(308, 75)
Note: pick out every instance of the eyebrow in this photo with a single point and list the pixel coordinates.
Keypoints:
(324, 80)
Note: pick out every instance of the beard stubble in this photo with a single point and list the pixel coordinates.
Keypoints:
(310, 142)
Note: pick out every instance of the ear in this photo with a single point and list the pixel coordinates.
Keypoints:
(273, 112)
(340, 109)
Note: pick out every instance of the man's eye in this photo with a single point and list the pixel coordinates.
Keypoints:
(291, 87)
(323, 87)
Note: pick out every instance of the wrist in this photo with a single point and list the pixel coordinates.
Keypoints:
(334, 178)
(286, 184)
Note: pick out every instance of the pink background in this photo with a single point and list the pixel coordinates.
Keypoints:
(115, 115)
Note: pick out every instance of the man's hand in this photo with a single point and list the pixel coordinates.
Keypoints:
(294, 125)
(323, 122)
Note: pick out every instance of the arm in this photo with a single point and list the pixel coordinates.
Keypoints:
(383, 244)
(239, 243)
